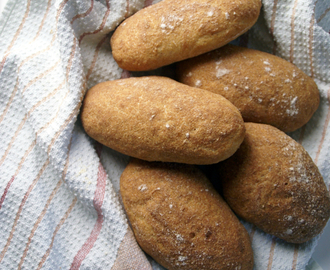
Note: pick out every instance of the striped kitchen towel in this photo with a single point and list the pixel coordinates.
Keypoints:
(59, 201)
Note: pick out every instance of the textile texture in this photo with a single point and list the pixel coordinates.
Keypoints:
(60, 206)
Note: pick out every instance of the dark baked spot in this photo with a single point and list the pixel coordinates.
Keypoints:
(208, 234)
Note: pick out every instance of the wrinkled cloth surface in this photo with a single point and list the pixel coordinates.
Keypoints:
(59, 190)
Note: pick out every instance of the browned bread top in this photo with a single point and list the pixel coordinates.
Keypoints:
(272, 182)
(158, 119)
(173, 30)
(180, 220)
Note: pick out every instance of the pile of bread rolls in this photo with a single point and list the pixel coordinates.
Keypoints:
(229, 107)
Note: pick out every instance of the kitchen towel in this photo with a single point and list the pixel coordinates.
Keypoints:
(59, 190)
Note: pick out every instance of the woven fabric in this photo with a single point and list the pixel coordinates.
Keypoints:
(59, 190)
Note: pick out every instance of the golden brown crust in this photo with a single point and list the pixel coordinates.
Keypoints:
(159, 119)
(265, 88)
(173, 30)
(272, 182)
(180, 220)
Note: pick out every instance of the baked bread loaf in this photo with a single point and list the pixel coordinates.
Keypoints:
(180, 220)
(265, 88)
(173, 30)
(158, 119)
(272, 182)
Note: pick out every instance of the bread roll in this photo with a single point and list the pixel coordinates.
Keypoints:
(265, 88)
(159, 119)
(173, 30)
(180, 220)
(272, 182)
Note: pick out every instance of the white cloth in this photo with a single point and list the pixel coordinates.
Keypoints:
(59, 203)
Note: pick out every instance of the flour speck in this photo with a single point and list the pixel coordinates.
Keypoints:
(293, 110)
(143, 187)
(198, 83)
(182, 258)
(221, 72)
